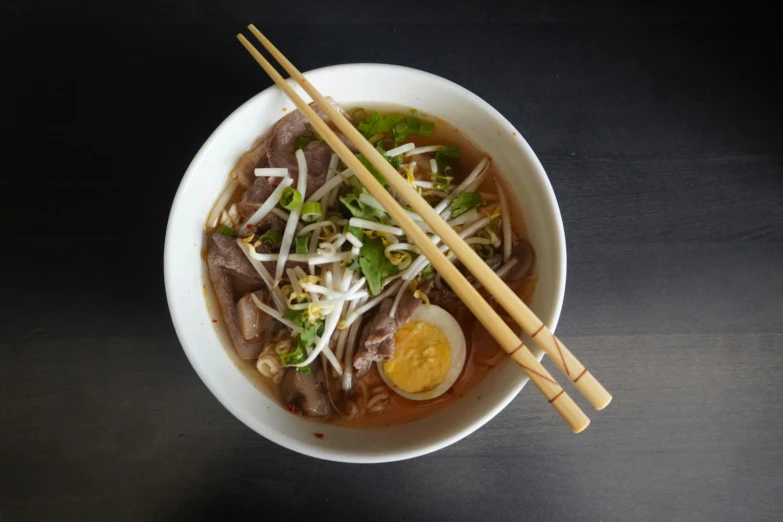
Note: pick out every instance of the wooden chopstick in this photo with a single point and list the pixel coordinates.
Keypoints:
(507, 339)
(584, 381)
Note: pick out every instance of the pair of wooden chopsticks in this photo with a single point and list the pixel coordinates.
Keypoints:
(532, 325)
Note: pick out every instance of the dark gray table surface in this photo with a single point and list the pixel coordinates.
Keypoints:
(661, 136)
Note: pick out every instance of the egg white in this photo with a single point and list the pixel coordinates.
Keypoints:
(437, 316)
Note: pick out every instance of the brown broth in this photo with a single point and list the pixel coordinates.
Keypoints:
(482, 351)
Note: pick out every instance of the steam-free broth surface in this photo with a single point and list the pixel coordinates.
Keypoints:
(369, 402)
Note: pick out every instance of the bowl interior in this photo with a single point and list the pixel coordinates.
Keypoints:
(185, 271)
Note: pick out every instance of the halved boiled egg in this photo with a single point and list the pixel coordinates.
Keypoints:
(429, 354)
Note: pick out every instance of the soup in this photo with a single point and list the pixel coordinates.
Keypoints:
(325, 297)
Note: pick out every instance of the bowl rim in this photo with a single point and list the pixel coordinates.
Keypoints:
(313, 450)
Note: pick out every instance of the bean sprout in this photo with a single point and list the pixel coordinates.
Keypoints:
(506, 217)
(220, 204)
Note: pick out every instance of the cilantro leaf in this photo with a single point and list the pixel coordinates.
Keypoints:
(356, 231)
(445, 157)
(464, 202)
(425, 129)
(366, 127)
(413, 124)
(375, 123)
(359, 209)
(394, 161)
(374, 264)
(400, 132)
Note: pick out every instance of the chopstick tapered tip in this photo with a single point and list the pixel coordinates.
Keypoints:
(593, 391)
(581, 427)
(605, 404)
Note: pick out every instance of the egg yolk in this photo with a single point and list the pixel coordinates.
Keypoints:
(422, 357)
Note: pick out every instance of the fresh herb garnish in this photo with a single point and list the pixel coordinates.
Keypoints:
(372, 170)
(444, 181)
(305, 339)
(464, 202)
(302, 244)
(375, 265)
(400, 132)
(359, 209)
(356, 231)
(445, 157)
(425, 129)
(226, 231)
(295, 356)
(312, 211)
(414, 125)
(271, 237)
(290, 199)
(428, 272)
(301, 143)
(375, 123)
(485, 251)
(394, 161)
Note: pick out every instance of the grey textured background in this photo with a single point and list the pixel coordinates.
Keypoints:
(661, 136)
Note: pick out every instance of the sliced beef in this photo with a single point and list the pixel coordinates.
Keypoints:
(442, 296)
(377, 340)
(257, 193)
(232, 275)
(254, 158)
(281, 142)
(305, 393)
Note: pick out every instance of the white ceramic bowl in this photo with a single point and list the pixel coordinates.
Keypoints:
(185, 271)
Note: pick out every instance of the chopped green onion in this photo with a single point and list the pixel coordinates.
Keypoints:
(485, 251)
(290, 199)
(464, 202)
(428, 272)
(271, 237)
(312, 211)
(413, 111)
(301, 143)
(425, 129)
(302, 244)
(226, 231)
